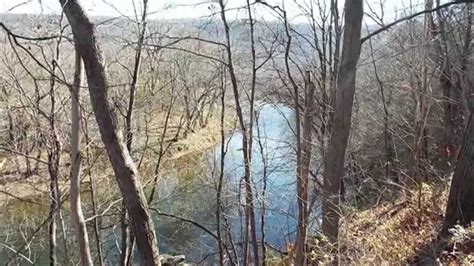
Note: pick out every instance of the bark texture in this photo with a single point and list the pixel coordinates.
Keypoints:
(303, 180)
(334, 163)
(124, 168)
(76, 208)
(460, 208)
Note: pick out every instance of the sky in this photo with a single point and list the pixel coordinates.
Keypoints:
(170, 9)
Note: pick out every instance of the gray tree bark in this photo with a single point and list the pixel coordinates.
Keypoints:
(303, 175)
(460, 208)
(123, 165)
(76, 208)
(345, 89)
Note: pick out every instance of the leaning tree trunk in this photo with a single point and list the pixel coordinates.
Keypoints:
(345, 89)
(125, 170)
(76, 209)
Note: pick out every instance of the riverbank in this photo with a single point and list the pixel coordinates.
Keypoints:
(402, 231)
(16, 186)
(24, 201)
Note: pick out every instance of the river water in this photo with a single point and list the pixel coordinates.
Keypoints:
(273, 163)
(190, 193)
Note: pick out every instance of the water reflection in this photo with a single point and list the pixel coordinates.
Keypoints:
(190, 192)
(273, 160)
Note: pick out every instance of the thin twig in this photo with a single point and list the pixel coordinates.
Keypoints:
(17, 253)
(398, 21)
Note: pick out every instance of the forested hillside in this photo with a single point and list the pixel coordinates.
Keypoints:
(272, 133)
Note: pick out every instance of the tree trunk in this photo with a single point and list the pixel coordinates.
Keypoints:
(264, 155)
(334, 163)
(391, 158)
(250, 224)
(128, 238)
(335, 35)
(96, 221)
(303, 181)
(453, 87)
(52, 222)
(76, 209)
(460, 208)
(53, 145)
(221, 174)
(54, 148)
(420, 147)
(135, 76)
(123, 165)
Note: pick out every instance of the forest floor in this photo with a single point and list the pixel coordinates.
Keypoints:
(406, 232)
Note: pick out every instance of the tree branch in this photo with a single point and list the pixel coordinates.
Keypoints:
(46, 38)
(185, 220)
(396, 22)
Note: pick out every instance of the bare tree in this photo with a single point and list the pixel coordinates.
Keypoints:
(76, 206)
(420, 81)
(220, 182)
(303, 176)
(452, 53)
(127, 237)
(54, 146)
(123, 165)
(460, 207)
(250, 224)
(93, 194)
(345, 89)
(391, 160)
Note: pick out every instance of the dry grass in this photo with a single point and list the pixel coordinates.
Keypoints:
(200, 140)
(394, 232)
(185, 153)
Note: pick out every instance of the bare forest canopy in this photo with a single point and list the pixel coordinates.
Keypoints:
(215, 141)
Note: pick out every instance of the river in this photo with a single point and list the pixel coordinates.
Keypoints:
(273, 141)
(190, 193)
